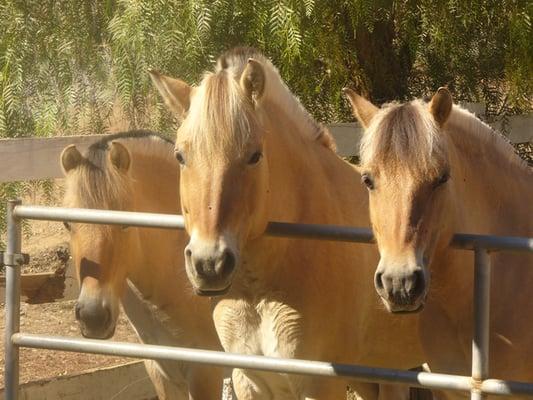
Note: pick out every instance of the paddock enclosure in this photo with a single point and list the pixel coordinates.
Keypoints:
(23, 159)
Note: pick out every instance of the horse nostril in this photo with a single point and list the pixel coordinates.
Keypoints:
(77, 311)
(227, 262)
(108, 316)
(188, 253)
(378, 280)
(229, 258)
(418, 283)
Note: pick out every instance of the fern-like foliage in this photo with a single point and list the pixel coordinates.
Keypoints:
(80, 66)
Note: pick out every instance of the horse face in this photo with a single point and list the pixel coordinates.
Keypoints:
(223, 173)
(405, 168)
(100, 269)
(223, 200)
(408, 215)
(101, 254)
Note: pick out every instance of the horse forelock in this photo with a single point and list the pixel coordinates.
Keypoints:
(220, 119)
(95, 183)
(220, 113)
(404, 136)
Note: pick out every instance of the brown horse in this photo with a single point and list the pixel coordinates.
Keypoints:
(249, 154)
(433, 169)
(136, 171)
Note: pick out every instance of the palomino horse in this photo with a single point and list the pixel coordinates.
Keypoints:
(431, 170)
(249, 154)
(136, 171)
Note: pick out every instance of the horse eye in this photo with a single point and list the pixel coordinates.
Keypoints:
(179, 156)
(367, 181)
(442, 179)
(67, 225)
(255, 157)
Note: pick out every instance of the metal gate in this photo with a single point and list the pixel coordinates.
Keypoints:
(477, 384)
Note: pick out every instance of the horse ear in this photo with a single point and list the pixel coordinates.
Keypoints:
(175, 92)
(441, 105)
(70, 158)
(253, 79)
(119, 156)
(362, 109)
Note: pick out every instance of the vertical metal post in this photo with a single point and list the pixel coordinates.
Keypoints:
(11, 258)
(480, 342)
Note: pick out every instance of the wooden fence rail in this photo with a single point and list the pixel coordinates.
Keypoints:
(121, 382)
(46, 287)
(38, 158)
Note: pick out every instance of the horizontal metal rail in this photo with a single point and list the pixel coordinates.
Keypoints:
(270, 364)
(285, 229)
(220, 358)
(105, 217)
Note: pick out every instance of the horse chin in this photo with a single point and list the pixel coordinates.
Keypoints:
(102, 335)
(413, 311)
(404, 309)
(212, 292)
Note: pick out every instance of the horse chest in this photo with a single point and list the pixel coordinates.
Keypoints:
(266, 327)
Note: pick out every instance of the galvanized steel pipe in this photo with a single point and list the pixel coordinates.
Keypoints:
(285, 229)
(107, 217)
(480, 340)
(290, 366)
(12, 308)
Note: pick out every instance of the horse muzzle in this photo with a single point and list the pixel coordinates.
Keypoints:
(210, 267)
(95, 319)
(402, 290)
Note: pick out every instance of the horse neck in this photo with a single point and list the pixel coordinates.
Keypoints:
(490, 181)
(308, 180)
(159, 273)
(309, 183)
(155, 189)
(155, 183)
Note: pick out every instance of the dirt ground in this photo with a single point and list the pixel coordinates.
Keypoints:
(58, 319)
(48, 248)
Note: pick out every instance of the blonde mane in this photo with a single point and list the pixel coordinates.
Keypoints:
(403, 134)
(407, 135)
(232, 117)
(95, 184)
(477, 137)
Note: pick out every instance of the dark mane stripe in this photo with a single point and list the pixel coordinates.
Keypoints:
(237, 57)
(103, 144)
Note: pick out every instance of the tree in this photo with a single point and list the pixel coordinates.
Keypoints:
(68, 65)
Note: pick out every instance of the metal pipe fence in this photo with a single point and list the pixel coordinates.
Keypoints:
(477, 384)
